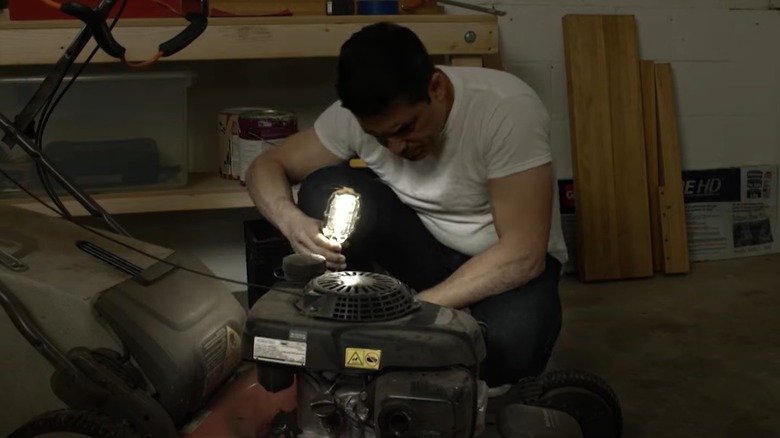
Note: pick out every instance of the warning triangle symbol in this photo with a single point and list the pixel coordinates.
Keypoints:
(355, 360)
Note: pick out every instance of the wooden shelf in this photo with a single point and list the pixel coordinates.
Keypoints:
(467, 38)
(42, 42)
(205, 191)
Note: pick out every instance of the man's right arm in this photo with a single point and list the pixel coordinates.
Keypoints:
(271, 175)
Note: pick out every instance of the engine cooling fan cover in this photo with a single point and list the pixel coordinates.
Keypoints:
(357, 296)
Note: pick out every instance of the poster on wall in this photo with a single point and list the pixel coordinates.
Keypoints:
(730, 213)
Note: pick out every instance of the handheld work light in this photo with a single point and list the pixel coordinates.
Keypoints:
(341, 214)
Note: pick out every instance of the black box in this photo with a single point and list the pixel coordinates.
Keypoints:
(265, 249)
(339, 7)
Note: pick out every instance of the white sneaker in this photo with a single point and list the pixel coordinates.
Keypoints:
(498, 391)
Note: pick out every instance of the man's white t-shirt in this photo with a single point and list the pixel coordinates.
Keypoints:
(497, 126)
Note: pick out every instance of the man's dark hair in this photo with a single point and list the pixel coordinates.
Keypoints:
(381, 64)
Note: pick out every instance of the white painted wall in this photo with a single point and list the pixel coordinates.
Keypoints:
(724, 63)
(723, 54)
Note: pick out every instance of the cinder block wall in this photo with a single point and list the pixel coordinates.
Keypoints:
(724, 58)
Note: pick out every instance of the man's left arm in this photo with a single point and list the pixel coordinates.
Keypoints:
(521, 204)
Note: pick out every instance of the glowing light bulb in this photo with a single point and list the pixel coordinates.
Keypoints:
(341, 215)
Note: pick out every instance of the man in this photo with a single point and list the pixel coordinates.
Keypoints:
(458, 202)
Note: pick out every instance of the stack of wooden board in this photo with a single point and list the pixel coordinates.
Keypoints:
(625, 155)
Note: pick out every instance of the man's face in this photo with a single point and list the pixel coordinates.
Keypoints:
(409, 130)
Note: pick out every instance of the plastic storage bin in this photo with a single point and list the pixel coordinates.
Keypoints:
(111, 132)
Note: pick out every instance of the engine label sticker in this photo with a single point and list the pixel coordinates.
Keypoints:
(297, 335)
(280, 351)
(362, 358)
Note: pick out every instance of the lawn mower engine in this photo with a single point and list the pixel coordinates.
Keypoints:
(367, 358)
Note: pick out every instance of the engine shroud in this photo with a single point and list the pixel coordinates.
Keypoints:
(324, 323)
(357, 296)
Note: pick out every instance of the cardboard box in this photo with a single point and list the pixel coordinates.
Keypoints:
(730, 213)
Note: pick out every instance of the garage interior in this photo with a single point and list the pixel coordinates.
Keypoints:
(671, 294)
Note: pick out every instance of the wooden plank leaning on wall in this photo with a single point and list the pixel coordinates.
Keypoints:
(650, 114)
(664, 171)
(670, 191)
(607, 142)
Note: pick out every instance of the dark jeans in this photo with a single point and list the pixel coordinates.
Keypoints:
(522, 324)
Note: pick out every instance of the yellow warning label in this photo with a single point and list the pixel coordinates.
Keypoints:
(362, 358)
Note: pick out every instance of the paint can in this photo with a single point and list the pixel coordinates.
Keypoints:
(228, 142)
(260, 130)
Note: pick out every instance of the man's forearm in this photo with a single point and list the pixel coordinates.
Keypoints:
(497, 270)
(270, 191)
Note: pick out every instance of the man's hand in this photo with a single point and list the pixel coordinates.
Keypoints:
(269, 179)
(305, 236)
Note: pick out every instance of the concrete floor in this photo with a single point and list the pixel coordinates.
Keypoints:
(696, 355)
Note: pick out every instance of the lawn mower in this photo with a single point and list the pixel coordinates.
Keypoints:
(111, 336)
(134, 341)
